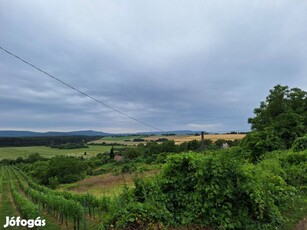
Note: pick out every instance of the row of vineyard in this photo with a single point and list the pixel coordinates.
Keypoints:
(31, 199)
(93, 204)
(16, 207)
(58, 206)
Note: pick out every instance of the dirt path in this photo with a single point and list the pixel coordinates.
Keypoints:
(302, 225)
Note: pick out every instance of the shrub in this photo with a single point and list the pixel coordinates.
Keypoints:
(133, 153)
(259, 143)
(129, 168)
(161, 139)
(141, 216)
(219, 143)
(53, 182)
(300, 144)
(292, 166)
(66, 169)
(138, 139)
(214, 190)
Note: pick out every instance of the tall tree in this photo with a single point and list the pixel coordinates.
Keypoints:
(278, 121)
(112, 153)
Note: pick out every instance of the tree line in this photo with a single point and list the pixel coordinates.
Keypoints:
(51, 141)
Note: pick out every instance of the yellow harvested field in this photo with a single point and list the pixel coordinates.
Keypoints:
(179, 139)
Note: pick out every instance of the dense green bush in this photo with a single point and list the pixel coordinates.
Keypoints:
(133, 153)
(215, 190)
(300, 144)
(129, 168)
(65, 169)
(69, 146)
(219, 143)
(292, 166)
(259, 143)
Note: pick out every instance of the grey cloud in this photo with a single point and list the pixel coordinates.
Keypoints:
(173, 64)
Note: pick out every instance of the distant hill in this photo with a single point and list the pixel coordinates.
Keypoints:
(12, 133)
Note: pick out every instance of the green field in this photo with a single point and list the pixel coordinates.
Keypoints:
(15, 152)
(120, 138)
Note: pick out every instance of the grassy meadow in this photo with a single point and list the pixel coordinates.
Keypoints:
(109, 184)
(15, 152)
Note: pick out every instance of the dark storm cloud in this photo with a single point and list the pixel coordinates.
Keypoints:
(175, 64)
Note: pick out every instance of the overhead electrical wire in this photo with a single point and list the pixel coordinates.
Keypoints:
(81, 92)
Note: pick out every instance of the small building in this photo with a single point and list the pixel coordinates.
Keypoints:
(118, 158)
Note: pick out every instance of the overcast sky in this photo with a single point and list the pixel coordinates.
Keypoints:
(197, 65)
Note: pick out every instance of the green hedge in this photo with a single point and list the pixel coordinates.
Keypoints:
(216, 190)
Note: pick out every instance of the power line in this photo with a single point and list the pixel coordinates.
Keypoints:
(81, 92)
